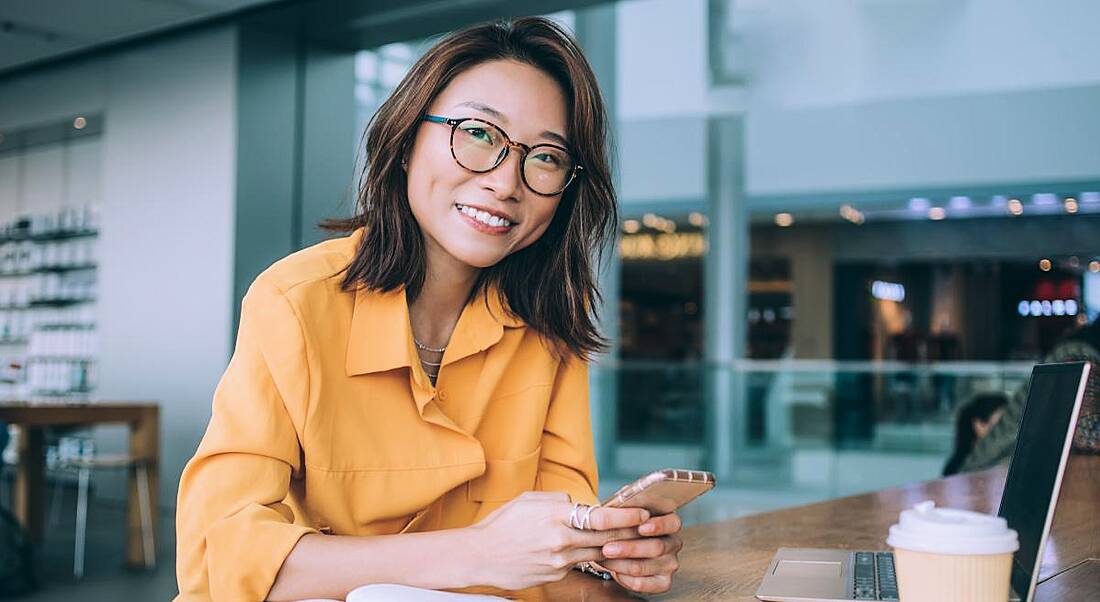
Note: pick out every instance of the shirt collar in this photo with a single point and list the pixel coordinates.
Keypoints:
(381, 334)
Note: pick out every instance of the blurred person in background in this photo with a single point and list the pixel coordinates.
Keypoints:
(1082, 344)
(409, 404)
(974, 421)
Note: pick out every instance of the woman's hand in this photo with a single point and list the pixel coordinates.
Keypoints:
(529, 541)
(646, 565)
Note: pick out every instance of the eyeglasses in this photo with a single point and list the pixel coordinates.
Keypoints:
(480, 146)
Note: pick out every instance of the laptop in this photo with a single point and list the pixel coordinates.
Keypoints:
(1027, 504)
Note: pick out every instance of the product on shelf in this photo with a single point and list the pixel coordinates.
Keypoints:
(48, 343)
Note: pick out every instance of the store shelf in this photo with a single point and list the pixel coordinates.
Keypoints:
(59, 302)
(49, 236)
(65, 326)
(49, 269)
(61, 392)
(63, 235)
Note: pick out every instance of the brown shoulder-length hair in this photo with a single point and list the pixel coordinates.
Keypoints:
(551, 284)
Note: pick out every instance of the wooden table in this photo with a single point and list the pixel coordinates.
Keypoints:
(727, 560)
(143, 420)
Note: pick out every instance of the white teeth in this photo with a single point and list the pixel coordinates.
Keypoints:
(484, 216)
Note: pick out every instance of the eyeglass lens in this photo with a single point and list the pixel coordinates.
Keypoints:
(480, 146)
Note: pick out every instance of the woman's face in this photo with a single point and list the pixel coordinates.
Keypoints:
(530, 107)
(983, 427)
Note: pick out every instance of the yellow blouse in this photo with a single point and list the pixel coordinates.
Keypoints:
(324, 421)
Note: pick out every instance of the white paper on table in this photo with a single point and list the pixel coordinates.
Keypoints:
(388, 592)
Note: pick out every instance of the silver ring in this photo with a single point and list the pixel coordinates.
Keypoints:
(574, 520)
(586, 523)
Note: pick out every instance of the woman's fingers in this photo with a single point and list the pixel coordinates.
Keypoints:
(576, 555)
(642, 567)
(648, 547)
(597, 539)
(656, 584)
(664, 524)
(604, 519)
(642, 564)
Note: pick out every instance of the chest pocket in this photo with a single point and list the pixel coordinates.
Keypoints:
(504, 479)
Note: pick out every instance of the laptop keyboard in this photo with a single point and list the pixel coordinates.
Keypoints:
(873, 576)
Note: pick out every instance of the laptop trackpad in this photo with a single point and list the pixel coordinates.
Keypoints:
(813, 569)
(805, 574)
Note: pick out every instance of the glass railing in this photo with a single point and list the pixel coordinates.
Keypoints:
(785, 432)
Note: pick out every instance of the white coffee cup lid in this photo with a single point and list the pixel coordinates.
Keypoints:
(925, 528)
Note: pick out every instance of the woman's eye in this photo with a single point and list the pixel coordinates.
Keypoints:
(548, 159)
(480, 134)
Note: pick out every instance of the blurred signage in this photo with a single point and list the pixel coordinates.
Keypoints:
(664, 246)
(888, 291)
(1057, 307)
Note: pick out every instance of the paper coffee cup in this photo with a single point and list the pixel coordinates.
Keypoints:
(951, 555)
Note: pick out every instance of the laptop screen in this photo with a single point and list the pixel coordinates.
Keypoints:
(1035, 474)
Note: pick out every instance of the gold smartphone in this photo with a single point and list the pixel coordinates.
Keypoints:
(662, 491)
(659, 492)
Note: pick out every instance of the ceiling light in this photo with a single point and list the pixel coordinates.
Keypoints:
(784, 220)
(79, 123)
(1071, 205)
(1015, 207)
(631, 226)
(852, 214)
(937, 213)
(1044, 264)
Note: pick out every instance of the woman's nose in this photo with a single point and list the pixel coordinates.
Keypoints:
(505, 179)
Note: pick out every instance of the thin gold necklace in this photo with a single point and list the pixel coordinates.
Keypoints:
(424, 347)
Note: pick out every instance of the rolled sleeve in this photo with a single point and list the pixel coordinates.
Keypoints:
(568, 460)
(234, 528)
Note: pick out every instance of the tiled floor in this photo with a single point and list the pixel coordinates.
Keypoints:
(105, 578)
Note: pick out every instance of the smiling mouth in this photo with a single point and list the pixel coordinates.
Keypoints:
(484, 218)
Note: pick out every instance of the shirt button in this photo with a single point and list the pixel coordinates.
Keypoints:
(442, 394)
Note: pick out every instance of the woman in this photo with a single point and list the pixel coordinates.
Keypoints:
(409, 404)
(972, 424)
(1082, 344)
